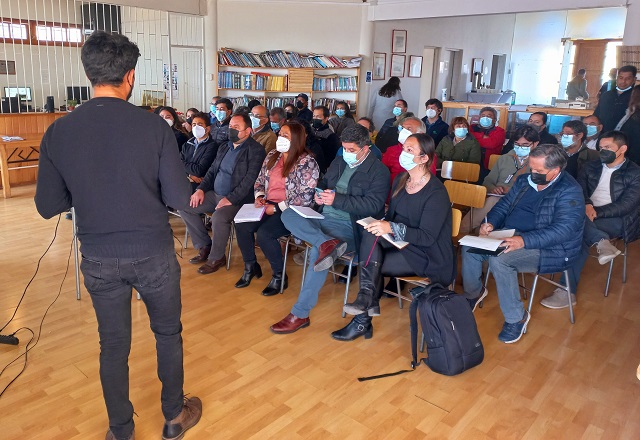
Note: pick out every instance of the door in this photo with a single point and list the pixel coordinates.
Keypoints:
(444, 74)
(193, 76)
(590, 56)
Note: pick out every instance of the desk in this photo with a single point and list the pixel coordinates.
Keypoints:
(14, 153)
(582, 112)
(502, 109)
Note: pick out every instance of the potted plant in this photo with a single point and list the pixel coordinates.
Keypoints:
(71, 104)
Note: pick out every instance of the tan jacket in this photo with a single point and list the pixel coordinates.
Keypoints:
(266, 138)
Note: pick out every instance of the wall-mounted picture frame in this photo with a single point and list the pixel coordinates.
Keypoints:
(398, 41)
(397, 65)
(415, 66)
(379, 65)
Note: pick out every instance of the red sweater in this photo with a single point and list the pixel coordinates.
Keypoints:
(491, 144)
(391, 158)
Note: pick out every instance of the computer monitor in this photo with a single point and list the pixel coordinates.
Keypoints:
(79, 94)
(24, 93)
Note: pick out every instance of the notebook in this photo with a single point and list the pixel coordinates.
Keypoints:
(307, 212)
(249, 213)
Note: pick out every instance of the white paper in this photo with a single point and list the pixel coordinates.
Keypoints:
(490, 244)
(307, 212)
(504, 233)
(249, 213)
(368, 220)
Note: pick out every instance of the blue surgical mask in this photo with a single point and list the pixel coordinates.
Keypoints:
(255, 122)
(521, 151)
(275, 126)
(623, 90)
(212, 107)
(221, 115)
(592, 130)
(397, 111)
(566, 140)
(406, 161)
(486, 122)
(340, 112)
(350, 158)
(461, 132)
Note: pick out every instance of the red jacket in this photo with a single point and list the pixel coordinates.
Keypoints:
(391, 158)
(492, 144)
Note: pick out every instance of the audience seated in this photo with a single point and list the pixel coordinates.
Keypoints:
(212, 109)
(323, 131)
(368, 124)
(630, 126)
(314, 145)
(224, 189)
(354, 187)
(594, 130)
(490, 136)
(291, 112)
(171, 117)
(198, 152)
(503, 175)
(459, 145)
(537, 121)
(277, 118)
(302, 104)
(420, 214)
(546, 210)
(261, 129)
(436, 127)
(220, 127)
(388, 134)
(251, 104)
(186, 125)
(288, 176)
(342, 119)
(572, 140)
(614, 103)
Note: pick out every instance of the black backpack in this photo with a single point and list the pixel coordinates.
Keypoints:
(453, 342)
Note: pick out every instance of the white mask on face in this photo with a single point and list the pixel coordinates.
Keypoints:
(403, 135)
(283, 144)
(431, 113)
(169, 122)
(198, 131)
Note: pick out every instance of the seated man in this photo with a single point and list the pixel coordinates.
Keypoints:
(302, 104)
(198, 152)
(388, 134)
(546, 210)
(355, 186)
(594, 130)
(368, 124)
(329, 141)
(537, 121)
(503, 175)
(224, 189)
(261, 130)
(611, 189)
(436, 127)
(220, 126)
(277, 117)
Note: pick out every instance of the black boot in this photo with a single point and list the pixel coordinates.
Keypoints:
(250, 270)
(273, 288)
(374, 310)
(359, 325)
(369, 280)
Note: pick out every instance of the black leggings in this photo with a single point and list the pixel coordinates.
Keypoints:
(390, 258)
(268, 230)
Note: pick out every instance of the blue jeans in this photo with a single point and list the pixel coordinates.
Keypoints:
(315, 232)
(505, 269)
(110, 282)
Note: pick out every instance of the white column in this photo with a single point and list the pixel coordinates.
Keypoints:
(631, 28)
(210, 51)
(366, 50)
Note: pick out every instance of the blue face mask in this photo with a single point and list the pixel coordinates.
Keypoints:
(397, 111)
(340, 112)
(350, 158)
(255, 122)
(275, 126)
(521, 151)
(406, 161)
(592, 130)
(486, 122)
(221, 115)
(212, 107)
(461, 132)
(566, 140)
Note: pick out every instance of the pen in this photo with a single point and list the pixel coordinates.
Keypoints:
(485, 219)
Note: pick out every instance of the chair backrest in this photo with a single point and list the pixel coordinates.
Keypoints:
(456, 219)
(493, 159)
(464, 171)
(466, 194)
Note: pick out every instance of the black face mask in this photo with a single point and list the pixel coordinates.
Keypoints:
(233, 135)
(289, 115)
(539, 178)
(537, 128)
(317, 123)
(607, 156)
(300, 104)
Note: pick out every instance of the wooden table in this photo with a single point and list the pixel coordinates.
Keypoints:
(502, 109)
(582, 112)
(18, 153)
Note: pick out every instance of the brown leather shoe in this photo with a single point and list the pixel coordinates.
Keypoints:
(202, 256)
(188, 418)
(290, 324)
(110, 436)
(329, 251)
(208, 268)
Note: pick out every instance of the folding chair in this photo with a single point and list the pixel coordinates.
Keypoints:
(186, 231)
(349, 258)
(290, 240)
(566, 288)
(624, 270)
(463, 171)
(466, 194)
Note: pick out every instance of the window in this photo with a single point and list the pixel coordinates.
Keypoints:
(15, 31)
(58, 34)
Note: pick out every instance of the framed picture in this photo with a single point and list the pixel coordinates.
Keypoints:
(379, 65)
(415, 66)
(398, 41)
(397, 65)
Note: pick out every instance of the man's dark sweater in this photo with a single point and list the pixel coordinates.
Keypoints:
(611, 108)
(119, 167)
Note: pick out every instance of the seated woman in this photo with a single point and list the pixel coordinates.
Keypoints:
(288, 176)
(459, 145)
(199, 152)
(420, 214)
(186, 125)
(290, 112)
(171, 118)
(342, 119)
(490, 137)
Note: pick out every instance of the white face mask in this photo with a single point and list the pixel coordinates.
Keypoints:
(198, 131)
(403, 135)
(169, 122)
(431, 113)
(283, 144)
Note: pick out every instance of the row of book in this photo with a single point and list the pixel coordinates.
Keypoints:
(280, 101)
(283, 59)
(252, 81)
(331, 103)
(335, 83)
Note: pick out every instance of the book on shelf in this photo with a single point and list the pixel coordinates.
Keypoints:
(251, 81)
(284, 59)
(335, 83)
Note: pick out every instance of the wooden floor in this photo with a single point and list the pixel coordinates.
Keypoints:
(560, 381)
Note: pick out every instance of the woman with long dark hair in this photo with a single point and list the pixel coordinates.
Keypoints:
(384, 101)
(288, 176)
(171, 117)
(420, 214)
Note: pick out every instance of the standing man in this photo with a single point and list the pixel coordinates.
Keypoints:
(260, 128)
(302, 104)
(613, 104)
(577, 87)
(120, 181)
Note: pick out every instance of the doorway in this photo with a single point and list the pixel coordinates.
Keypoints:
(427, 79)
(445, 68)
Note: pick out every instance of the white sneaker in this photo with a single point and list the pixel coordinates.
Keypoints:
(606, 251)
(558, 299)
(299, 258)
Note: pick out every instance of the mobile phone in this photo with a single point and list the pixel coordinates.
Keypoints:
(319, 191)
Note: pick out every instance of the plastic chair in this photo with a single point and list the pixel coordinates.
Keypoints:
(463, 171)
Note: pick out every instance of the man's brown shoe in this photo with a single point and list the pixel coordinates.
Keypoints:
(208, 268)
(110, 436)
(188, 418)
(202, 256)
(328, 252)
(290, 324)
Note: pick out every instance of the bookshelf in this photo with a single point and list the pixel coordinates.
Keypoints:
(275, 78)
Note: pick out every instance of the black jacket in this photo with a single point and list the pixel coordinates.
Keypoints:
(366, 193)
(245, 173)
(329, 142)
(611, 108)
(437, 130)
(632, 129)
(388, 134)
(220, 132)
(625, 194)
(198, 164)
(181, 138)
(305, 114)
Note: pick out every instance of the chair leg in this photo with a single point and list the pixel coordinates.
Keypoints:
(524, 286)
(606, 288)
(186, 238)
(138, 296)
(624, 265)
(571, 316)
(231, 236)
(346, 289)
(304, 266)
(399, 293)
(533, 291)
(284, 264)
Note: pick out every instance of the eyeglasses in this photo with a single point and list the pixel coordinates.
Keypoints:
(522, 145)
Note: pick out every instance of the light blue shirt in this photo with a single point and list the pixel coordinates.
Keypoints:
(534, 186)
